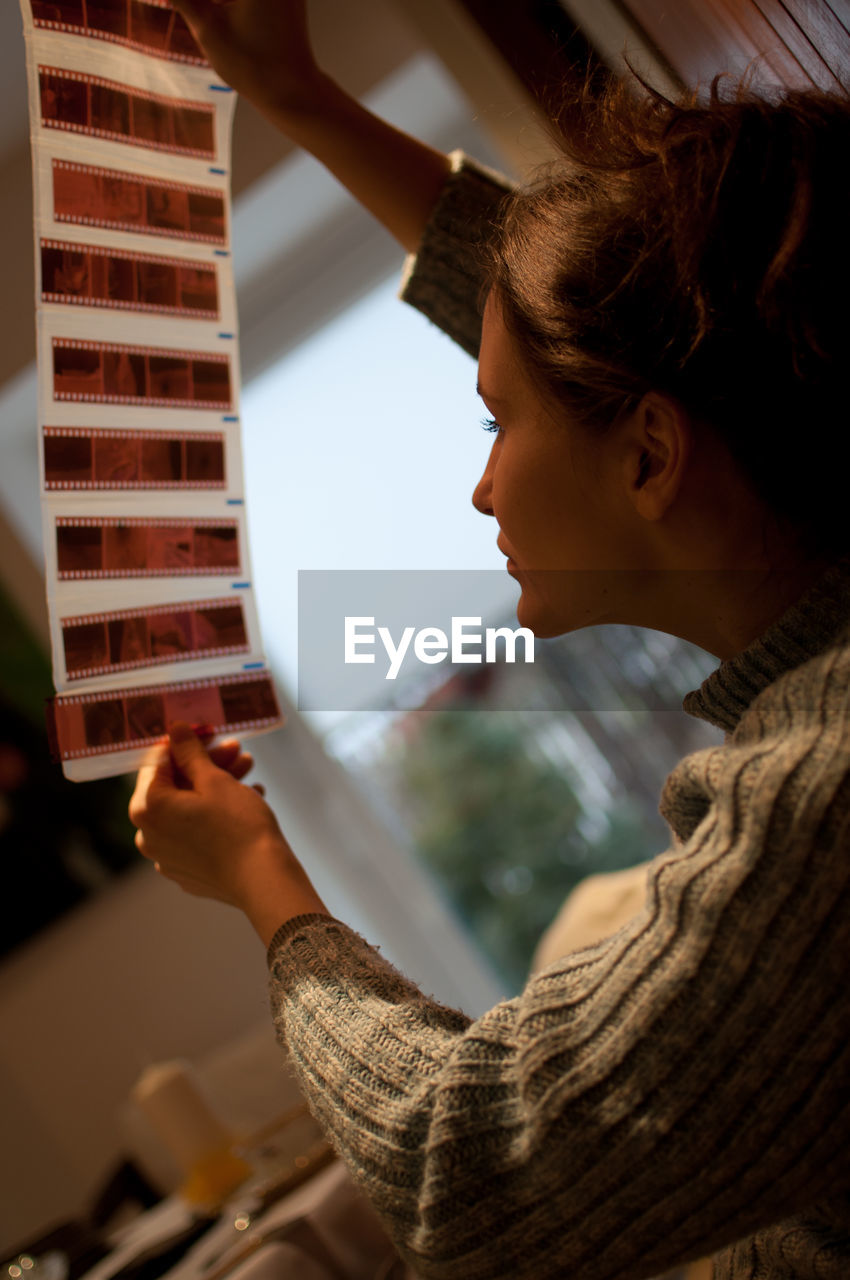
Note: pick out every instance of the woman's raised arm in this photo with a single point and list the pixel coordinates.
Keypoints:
(262, 48)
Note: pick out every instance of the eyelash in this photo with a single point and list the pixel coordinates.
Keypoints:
(491, 425)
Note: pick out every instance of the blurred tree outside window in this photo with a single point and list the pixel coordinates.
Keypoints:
(509, 809)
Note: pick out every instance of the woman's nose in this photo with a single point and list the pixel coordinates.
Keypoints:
(482, 494)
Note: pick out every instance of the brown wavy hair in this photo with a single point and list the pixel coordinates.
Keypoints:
(700, 249)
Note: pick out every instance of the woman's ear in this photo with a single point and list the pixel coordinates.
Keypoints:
(658, 439)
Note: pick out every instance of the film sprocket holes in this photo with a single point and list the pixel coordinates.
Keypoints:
(117, 373)
(100, 458)
(140, 449)
(98, 723)
(84, 275)
(151, 26)
(100, 644)
(91, 196)
(113, 547)
(106, 109)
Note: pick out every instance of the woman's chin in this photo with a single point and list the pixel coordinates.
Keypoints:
(548, 618)
(534, 615)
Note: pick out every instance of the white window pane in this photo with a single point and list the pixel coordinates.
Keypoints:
(362, 449)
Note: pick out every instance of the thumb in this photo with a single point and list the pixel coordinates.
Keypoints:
(189, 754)
(199, 11)
(199, 15)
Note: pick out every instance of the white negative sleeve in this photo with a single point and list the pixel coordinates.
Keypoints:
(148, 573)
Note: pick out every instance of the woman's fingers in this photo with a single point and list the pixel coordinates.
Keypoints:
(224, 753)
(213, 836)
(193, 12)
(230, 756)
(194, 8)
(259, 47)
(241, 765)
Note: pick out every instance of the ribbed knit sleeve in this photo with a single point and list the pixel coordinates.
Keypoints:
(671, 1091)
(444, 278)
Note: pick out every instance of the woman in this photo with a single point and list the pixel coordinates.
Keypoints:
(660, 353)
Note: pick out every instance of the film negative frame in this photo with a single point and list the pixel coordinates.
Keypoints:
(104, 458)
(88, 195)
(91, 724)
(78, 102)
(89, 548)
(86, 372)
(84, 275)
(127, 22)
(102, 644)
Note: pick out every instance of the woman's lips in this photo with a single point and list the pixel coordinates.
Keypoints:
(511, 565)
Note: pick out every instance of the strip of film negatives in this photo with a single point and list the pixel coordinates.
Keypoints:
(91, 196)
(105, 643)
(150, 26)
(82, 103)
(120, 373)
(89, 547)
(93, 724)
(77, 458)
(131, 134)
(88, 276)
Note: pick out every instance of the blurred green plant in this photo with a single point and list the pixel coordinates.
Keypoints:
(502, 829)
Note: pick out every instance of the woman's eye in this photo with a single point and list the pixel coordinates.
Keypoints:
(490, 424)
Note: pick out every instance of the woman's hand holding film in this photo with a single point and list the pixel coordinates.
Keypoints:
(214, 836)
(262, 49)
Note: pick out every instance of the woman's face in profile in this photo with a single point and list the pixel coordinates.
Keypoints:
(556, 492)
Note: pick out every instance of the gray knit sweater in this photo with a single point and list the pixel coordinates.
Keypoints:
(682, 1087)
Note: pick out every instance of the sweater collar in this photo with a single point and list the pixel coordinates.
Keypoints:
(807, 628)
